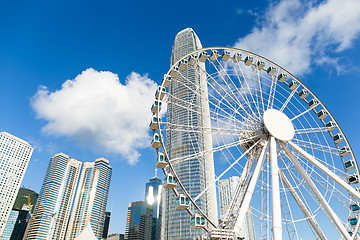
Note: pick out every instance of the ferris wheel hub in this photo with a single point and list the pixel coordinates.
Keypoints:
(278, 125)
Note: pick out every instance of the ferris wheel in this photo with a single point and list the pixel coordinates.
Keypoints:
(295, 167)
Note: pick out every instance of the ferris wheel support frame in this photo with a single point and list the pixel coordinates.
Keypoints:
(325, 170)
(250, 189)
(275, 192)
(335, 219)
(309, 217)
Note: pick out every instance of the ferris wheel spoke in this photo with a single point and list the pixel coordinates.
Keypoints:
(308, 215)
(192, 104)
(226, 170)
(213, 150)
(201, 96)
(212, 130)
(190, 107)
(325, 170)
(288, 100)
(335, 219)
(234, 98)
(304, 112)
(247, 86)
(317, 146)
(312, 130)
(226, 93)
(272, 92)
(245, 203)
(260, 90)
(238, 89)
(243, 96)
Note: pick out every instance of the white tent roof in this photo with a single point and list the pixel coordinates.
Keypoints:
(86, 234)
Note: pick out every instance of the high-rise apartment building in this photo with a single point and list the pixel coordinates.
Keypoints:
(139, 221)
(153, 191)
(15, 155)
(53, 206)
(195, 174)
(227, 188)
(91, 198)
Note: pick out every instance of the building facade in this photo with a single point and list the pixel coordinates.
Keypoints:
(139, 221)
(15, 155)
(106, 225)
(196, 173)
(16, 225)
(52, 209)
(91, 198)
(227, 188)
(153, 192)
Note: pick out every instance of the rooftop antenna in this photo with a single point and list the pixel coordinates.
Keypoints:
(156, 172)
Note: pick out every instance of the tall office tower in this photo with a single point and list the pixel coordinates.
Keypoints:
(138, 221)
(153, 191)
(227, 188)
(91, 198)
(16, 225)
(15, 155)
(52, 209)
(198, 173)
(106, 225)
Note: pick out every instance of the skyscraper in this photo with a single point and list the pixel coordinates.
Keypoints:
(227, 188)
(198, 173)
(53, 206)
(16, 225)
(91, 198)
(106, 225)
(15, 155)
(138, 221)
(153, 191)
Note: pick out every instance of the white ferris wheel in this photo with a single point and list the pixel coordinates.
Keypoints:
(297, 171)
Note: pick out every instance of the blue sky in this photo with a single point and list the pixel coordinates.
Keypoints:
(124, 48)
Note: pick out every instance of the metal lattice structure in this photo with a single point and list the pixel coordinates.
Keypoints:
(296, 167)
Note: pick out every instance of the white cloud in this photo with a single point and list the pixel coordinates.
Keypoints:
(296, 35)
(95, 108)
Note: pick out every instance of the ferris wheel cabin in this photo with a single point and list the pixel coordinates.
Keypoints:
(169, 181)
(282, 77)
(155, 142)
(154, 122)
(248, 60)
(161, 161)
(225, 55)
(214, 55)
(182, 202)
(197, 221)
(303, 93)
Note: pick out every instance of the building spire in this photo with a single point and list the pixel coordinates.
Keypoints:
(156, 172)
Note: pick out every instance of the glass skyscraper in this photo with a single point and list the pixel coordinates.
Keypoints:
(91, 198)
(153, 191)
(138, 221)
(16, 225)
(15, 155)
(52, 209)
(195, 174)
(227, 188)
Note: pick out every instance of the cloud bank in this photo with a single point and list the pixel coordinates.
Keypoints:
(96, 108)
(296, 35)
